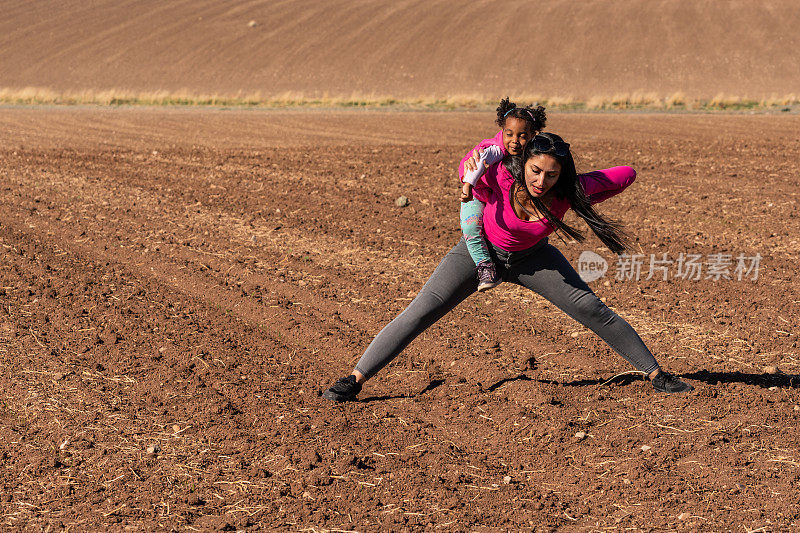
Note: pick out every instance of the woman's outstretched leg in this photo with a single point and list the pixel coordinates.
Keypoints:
(548, 273)
(452, 281)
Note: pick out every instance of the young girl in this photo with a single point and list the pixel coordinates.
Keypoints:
(517, 126)
(526, 199)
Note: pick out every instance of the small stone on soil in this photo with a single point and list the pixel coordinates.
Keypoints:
(646, 448)
(506, 479)
(580, 435)
(153, 449)
(401, 201)
(771, 370)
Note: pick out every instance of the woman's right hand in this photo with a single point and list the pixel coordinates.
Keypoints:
(471, 163)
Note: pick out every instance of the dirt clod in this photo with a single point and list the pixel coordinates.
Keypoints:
(195, 500)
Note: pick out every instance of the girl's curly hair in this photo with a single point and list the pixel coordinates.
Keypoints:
(535, 116)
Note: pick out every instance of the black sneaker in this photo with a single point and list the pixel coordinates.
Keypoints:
(666, 382)
(344, 390)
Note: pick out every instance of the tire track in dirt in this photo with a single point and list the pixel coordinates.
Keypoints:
(219, 219)
(95, 437)
(206, 290)
(213, 260)
(145, 251)
(146, 373)
(98, 196)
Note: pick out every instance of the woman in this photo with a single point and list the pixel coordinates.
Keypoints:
(526, 198)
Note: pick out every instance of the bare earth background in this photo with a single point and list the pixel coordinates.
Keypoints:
(406, 48)
(177, 286)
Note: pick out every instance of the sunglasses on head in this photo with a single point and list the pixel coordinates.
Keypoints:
(543, 144)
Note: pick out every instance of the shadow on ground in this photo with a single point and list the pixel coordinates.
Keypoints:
(711, 378)
(762, 380)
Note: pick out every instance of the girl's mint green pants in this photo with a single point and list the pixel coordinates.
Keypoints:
(472, 228)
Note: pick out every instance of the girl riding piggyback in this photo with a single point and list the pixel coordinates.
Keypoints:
(518, 125)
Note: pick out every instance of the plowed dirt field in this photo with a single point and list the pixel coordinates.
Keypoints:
(177, 286)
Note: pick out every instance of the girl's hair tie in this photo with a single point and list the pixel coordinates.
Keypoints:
(523, 109)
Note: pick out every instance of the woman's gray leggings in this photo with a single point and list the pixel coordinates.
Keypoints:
(541, 268)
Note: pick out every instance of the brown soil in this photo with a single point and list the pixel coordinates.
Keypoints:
(408, 48)
(187, 282)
